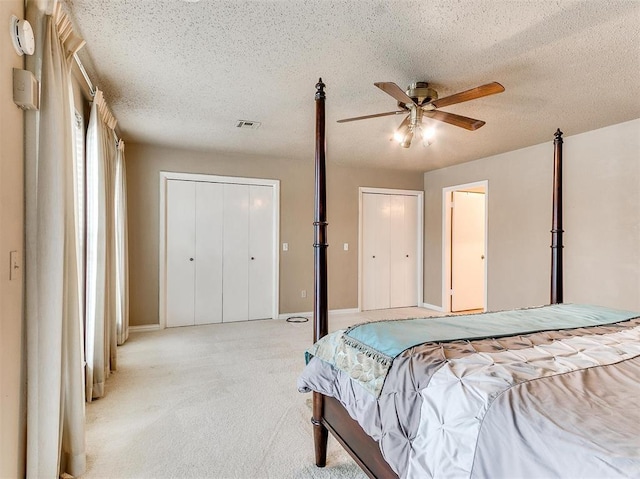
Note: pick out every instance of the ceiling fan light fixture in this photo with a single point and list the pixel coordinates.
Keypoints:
(422, 101)
(404, 135)
(428, 134)
(406, 141)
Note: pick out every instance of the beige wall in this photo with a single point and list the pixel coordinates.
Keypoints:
(601, 220)
(12, 351)
(144, 163)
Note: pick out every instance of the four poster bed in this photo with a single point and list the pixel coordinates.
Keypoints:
(537, 392)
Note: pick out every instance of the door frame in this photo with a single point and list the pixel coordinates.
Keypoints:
(420, 232)
(165, 176)
(446, 239)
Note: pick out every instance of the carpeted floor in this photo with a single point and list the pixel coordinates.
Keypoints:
(215, 401)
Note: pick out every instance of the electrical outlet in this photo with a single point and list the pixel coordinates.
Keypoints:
(303, 293)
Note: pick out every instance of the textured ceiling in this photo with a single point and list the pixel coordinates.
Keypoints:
(181, 73)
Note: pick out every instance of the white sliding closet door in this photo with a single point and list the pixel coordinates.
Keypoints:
(389, 251)
(208, 257)
(180, 234)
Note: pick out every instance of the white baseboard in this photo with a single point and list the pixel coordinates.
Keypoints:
(440, 309)
(145, 328)
(344, 311)
(306, 314)
(309, 314)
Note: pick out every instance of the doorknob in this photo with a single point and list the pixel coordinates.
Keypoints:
(190, 259)
(252, 258)
(482, 257)
(407, 256)
(374, 256)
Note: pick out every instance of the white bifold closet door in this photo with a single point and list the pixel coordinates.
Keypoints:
(236, 253)
(208, 246)
(390, 247)
(248, 250)
(181, 266)
(261, 248)
(219, 252)
(404, 248)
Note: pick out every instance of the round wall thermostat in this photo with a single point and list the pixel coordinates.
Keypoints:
(22, 36)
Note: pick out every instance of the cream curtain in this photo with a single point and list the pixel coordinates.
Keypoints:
(101, 265)
(122, 253)
(55, 394)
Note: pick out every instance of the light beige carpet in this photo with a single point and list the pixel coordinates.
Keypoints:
(215, 401)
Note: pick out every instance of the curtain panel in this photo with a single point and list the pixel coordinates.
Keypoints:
(101, 259)
(122, 251)
(55, 393)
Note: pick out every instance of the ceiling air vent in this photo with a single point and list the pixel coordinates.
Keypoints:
(248, 124)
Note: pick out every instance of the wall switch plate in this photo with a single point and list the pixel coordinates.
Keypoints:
(285, 246)
(303, 293)
(346, 246)
(14, 265)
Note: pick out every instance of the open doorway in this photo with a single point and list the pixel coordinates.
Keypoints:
(465, 247)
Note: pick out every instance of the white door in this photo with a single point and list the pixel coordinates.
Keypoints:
(404, 251)
(180, 241)
(376, 252)
(219, 252)
(236, 253)
(208, 257)
(389, 251)
(248, 252)
(261, 252)
(467, 251)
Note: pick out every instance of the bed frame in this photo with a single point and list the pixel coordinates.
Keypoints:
(328, 413)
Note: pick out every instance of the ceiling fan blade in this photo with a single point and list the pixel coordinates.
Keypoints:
(372, 116)
(456, 120)
(395, 91)
(477, 92)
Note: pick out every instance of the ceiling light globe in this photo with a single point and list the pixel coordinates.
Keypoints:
(428, 133)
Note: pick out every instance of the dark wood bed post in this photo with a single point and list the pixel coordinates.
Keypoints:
(320, 245)
(556, 228)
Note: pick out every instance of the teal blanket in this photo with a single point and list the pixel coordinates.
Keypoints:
(367, 350)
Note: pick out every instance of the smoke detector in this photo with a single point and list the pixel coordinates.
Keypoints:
(22, 36)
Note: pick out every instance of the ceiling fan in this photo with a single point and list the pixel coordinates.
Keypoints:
(421, 101)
